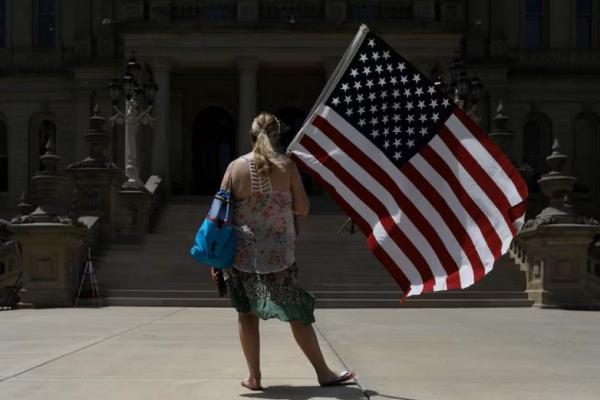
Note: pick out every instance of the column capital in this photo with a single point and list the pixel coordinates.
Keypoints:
(247, 63)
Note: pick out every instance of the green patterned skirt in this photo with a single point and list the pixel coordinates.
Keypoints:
(275, 295)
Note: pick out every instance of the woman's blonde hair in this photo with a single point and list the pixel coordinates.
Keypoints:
(264, 135)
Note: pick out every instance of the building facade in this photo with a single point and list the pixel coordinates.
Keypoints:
(218, 63)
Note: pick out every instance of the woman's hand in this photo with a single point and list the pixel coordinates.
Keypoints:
(214, 272)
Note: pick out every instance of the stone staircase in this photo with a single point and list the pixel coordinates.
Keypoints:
(338, 269)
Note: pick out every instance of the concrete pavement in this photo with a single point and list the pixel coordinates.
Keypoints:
(194, 353)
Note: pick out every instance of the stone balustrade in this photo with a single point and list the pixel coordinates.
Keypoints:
(221, 11)
(380, 10)
(292, 12)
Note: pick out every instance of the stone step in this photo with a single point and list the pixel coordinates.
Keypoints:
(210, 292)
(338, 268)
(320, 303)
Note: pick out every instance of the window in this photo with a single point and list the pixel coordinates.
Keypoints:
(46, 132)
(3, 157)
(46, 24)
(584, 24)
(537, 141)
(2, 23)
(533, 23)
(586, 145)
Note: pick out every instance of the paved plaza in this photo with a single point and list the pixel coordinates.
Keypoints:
(193, 353)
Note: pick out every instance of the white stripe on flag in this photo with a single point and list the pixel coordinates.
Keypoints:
(379, 232)
(417, 198)
(402, 220)
(482, 200)
(485, 159)
(473, 230)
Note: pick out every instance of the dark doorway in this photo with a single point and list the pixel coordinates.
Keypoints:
(292, 119)
(213, 135)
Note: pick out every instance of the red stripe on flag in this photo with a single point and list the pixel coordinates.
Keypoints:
(403, 202)
(385, 219)
(489, 233)
(437, 201)
(494, 151)
(364, 226)
(517, 211)
(479, 175)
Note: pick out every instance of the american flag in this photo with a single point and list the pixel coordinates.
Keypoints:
(436, 199)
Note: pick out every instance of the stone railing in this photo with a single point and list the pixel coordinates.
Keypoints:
(560, 58)
(380, 10)
(291, 11)
(209, 11)
(10, 260)
(593, 266)
(10, 263)
(517, 254)
(271, 11)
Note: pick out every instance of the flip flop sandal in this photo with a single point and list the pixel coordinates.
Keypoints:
(343, 378)
(243, 383)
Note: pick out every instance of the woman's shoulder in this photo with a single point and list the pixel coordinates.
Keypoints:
(285, 160)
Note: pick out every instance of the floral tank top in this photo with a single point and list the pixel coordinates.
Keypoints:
(265, 238)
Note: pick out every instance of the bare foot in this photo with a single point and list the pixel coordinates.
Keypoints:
(252, 384)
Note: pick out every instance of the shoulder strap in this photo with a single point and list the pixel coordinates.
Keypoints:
(254, 179)
(258, 183)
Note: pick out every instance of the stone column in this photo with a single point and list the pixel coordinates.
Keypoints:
(162, 110)
(247, 68)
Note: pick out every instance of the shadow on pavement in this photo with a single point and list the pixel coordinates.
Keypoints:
(372, 393)
(344, 392)
(286, 392)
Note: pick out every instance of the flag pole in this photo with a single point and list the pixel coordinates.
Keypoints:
(335, 77)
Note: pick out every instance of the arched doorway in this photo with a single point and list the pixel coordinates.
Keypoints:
(213, 135)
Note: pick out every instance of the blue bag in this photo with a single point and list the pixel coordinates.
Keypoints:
(215, 240)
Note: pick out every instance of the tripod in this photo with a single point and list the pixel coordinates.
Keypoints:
(89, 271)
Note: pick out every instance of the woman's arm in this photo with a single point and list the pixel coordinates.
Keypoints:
(226, 175)
(300, 201)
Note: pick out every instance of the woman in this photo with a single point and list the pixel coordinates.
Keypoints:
(263, 282)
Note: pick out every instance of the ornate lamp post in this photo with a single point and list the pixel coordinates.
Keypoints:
(466, 90)
(138, 105)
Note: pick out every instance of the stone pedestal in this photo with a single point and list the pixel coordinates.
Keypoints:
(135, 208)
(51, 238)
(556, 272)
(556, 244)
(50, 254)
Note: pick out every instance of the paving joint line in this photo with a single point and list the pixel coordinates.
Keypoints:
(89, 345)
(341, 359)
